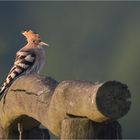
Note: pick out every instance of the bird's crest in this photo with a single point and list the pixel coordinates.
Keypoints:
(31, 35)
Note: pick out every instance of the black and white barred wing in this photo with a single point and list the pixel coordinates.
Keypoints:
(23, 62)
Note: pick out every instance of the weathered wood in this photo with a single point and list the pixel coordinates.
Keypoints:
(27, 99)
(43, 100)
(26, 128)
(98, 102)
(76, 128)
(2, 133)
(83, 128)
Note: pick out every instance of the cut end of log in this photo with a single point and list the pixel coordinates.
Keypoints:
(113, 99)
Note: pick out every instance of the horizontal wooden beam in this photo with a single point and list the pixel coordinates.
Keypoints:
(49, 102)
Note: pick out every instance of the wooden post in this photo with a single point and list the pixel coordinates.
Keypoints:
(76, 128)
(83, 128)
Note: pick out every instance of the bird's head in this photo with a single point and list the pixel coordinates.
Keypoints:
(33, 37)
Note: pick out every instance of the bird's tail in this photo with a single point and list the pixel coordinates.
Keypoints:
(2, 90)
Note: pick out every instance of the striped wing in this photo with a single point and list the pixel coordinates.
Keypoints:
(24, 61)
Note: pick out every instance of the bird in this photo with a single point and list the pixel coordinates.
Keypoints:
(29, 60)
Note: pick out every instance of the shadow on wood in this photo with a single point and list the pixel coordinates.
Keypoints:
(30, 128)
(83, 128)
(49, 103)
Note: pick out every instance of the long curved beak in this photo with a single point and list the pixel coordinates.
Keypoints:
(43, 44)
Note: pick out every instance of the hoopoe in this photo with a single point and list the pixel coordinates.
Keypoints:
(29, 59)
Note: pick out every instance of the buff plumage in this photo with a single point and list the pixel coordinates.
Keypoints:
(29, 59)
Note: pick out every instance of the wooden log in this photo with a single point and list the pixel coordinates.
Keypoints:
(83, 128)
(2, 133)
(45, 101)
(98, 102)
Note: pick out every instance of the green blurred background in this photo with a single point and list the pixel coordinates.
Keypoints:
(95, 41)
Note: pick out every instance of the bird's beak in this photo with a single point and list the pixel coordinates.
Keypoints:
(43, 44)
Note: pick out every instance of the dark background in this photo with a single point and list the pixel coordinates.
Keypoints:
(94, 41)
